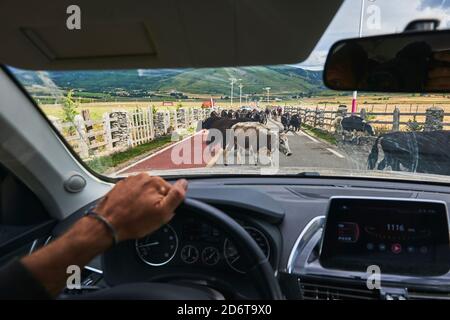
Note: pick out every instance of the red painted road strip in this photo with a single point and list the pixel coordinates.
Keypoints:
(188, 153)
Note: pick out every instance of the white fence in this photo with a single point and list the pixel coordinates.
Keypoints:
(119, 130)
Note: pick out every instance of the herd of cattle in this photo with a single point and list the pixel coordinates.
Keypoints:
(424, 152)
(415, 151)
(245, 131)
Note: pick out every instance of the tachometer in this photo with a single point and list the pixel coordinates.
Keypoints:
(158, 248)
(232, 255)
(189, 254)
(210, 256)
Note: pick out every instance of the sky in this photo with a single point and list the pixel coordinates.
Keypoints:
(380, 17)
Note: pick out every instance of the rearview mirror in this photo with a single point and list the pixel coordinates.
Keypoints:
(406, 62)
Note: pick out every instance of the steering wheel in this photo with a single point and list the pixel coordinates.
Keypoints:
(260, 270)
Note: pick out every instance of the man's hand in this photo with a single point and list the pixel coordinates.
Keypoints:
(135, 207)
(141, 204)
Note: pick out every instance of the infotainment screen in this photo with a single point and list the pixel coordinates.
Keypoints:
(400, 236)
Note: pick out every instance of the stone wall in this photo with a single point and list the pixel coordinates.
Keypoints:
(119, 129)
(434, 118)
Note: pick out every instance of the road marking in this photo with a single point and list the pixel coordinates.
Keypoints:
(309, 137)
(290, 133)
(158, 152)
(337, 154)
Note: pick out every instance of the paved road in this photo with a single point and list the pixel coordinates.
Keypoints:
(312, 152)
(307, 151)
(185, 154)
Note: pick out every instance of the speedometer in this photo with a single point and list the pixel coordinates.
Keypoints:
(232, 255)
(158, 248)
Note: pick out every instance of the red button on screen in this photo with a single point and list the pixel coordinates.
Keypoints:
(396, 248)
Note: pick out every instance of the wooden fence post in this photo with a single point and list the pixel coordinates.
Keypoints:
(363, 113)
(396, 119)
(80, 128)
(150, 122)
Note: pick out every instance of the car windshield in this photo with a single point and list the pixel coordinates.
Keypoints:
(259, 119)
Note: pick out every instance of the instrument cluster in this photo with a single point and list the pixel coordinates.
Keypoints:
(190, 242)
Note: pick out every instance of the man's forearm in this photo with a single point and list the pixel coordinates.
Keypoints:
(135, 207)
(85, 240)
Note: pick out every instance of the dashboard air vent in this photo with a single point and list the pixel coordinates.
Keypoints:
(428, 295)
(314, 289)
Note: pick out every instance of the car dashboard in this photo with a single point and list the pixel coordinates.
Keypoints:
(287, 218)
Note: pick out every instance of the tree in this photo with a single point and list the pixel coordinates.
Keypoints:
(69, 108)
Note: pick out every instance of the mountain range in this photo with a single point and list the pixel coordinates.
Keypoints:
(282, 79)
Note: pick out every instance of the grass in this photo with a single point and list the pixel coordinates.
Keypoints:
(97, 109)
(104, 163)
(320, 134)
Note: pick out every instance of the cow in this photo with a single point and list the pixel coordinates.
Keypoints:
(279, 111)
(336, 124)
(352, 128)
(295, 122)
(222, 124)
(246, 137)
(356, 123)
(274, 114)
(285, 120)
(206, 124)
(424, 152)
(259, 116)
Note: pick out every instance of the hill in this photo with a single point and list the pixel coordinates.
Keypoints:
(281, 79)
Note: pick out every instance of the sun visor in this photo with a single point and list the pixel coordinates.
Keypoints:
(160, 33)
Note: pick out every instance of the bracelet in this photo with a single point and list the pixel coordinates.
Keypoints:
(109, 226)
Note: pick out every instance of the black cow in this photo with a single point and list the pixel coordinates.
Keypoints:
(255, 116)
(295, 122)
(274, 114)
(285, 120)
(263, 119)
(424, 152)
(206, 124)
(358, 124)
(222, 124)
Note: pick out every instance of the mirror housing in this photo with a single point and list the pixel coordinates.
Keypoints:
(416, 62)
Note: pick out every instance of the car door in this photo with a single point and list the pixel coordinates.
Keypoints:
(24, 223)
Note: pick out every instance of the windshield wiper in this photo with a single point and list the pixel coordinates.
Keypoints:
(308, 174)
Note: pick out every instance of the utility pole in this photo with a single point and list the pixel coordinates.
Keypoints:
(240, 94)
(268, 94)
(232, 81)
(361, 19)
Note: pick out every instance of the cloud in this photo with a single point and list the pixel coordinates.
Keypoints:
(393, 17)
(434, 4)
